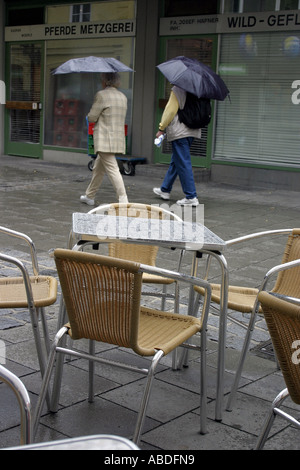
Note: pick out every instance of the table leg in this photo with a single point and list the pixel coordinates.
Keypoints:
(222, 326)
(222, 338)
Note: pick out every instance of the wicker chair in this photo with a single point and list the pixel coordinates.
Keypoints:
(102, 297)
(146, 254)
(32, 292)
(283, 321)
(245, 299)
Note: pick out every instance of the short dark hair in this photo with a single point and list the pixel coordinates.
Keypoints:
(111, 79)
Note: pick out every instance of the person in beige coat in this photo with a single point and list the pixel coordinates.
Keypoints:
(108, 112)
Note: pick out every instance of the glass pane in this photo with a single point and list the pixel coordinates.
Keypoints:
(260, 122)
(86, 12)
(259, 5)
(289, 5)
(25, 60)
(69, 97)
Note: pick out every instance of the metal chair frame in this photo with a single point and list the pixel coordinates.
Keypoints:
(255, 308)
(23, 398)
(36, 308)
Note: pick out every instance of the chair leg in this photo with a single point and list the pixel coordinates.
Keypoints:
(146, 395)
(45, 330)
(62, 315)
(91, 371)
(58, 374)
(242, 360)
(183, 360)
(203, 386)
(46, 379)
(270, 419)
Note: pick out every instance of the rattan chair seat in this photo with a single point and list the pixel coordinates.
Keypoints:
(13, 294)
(157, 330)
(240, 299)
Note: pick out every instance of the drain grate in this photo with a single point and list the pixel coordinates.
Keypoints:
(264, 350)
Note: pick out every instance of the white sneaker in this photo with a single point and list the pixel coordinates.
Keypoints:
(188, 202)
(160, 193)
(87, 200)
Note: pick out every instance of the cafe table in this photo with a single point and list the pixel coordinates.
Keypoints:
(174, 234)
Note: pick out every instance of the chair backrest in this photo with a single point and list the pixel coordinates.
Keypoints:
(288, 281)
(102, 296)
(145, 254)
(283, 321)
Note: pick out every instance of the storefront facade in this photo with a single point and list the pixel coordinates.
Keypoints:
(254, 45)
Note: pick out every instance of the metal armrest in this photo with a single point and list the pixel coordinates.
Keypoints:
(28, 240)
(246, 238)
(277, 269)
(25, 275)
(287, 298)
(257, 235)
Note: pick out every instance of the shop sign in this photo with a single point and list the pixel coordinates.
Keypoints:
(70, 30)
(231, 23)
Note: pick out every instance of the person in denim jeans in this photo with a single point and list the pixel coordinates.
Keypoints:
(181, 138)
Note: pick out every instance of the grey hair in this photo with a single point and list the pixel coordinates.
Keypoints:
(111, 79)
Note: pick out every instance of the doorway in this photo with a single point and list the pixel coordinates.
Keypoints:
(203, 49)
(23, 120)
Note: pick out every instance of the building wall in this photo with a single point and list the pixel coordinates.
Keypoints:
(145, 83)
(1, 77)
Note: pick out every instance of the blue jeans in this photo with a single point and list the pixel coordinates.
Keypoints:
(181, 166)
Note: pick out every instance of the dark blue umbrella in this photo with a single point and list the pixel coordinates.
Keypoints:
(194, 77)
(92, 64)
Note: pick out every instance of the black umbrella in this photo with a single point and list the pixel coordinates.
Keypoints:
(194, 77)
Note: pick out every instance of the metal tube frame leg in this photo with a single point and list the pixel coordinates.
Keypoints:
(46, 379)
(45, 329)
(38, 344)
(242, 357)
(222, 332)
(270, 419)
(24, 403)
(203, 386)
(146, 395)
(91, 371)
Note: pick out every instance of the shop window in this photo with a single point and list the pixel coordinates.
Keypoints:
(247, 6)
(258, 5)
(69, 97)
(260, 123)
(289, 5)
(80, 13)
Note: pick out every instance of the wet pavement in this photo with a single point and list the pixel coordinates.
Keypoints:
(38, 198)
